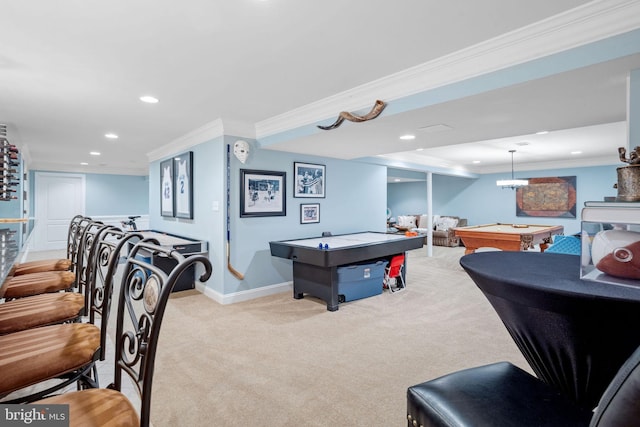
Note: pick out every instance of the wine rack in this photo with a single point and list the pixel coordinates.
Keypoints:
(9, 167)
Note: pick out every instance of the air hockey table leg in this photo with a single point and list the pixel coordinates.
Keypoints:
(320, 282)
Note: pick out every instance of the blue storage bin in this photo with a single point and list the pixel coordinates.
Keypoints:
(360, 280)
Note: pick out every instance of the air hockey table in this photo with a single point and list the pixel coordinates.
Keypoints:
(184, 245)
(316, 260)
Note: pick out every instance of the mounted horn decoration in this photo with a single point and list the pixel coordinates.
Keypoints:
(375, 112)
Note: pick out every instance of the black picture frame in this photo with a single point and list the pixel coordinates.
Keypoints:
(183, 185)
(166, 188)
(309, 213)
(262, 193)
(309, 180)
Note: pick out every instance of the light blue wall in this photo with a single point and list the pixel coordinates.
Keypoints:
(407, 198)
(353, 202)
(482, 202)
(116, 194)
(109, 194)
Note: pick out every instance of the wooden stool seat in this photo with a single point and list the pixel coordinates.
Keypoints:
(38, 283)
(97, 407)
(144, 293)
(31, 356)
(41, 266)
(40, 310)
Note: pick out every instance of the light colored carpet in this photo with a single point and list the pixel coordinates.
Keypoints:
(276, 361)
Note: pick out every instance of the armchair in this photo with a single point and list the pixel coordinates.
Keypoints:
(444, 234)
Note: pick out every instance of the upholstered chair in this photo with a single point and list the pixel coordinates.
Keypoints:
(74, 232)
(28, 279)
(66, 352)
(28, 307)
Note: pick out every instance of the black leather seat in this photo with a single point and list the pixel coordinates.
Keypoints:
(504, 395)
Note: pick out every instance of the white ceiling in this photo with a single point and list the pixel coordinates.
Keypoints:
(71, 71)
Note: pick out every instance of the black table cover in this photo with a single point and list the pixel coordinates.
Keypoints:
(574, 333)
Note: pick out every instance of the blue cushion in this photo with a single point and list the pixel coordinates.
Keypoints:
(565, 245)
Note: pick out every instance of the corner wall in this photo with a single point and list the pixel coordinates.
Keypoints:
(355, 201)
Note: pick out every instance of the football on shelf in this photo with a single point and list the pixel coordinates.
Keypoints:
(617, 253)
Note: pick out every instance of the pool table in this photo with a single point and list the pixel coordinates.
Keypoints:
(507, 237)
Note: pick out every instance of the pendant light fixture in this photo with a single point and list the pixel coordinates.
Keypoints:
(512, 183)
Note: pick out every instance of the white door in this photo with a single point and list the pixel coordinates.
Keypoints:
(58, 198)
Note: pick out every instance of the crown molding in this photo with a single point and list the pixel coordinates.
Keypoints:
(214, 129)
(591, 22)
(239, 129)
(197, 136)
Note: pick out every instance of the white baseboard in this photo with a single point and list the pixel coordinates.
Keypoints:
(245, 295)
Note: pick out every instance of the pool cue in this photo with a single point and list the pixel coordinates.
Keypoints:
(232, 270)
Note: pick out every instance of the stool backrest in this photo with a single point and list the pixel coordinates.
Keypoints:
(104, 258)
(88, 235)
(76, 228)
(144, 292)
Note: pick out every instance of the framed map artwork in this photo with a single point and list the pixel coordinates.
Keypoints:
(553, 197)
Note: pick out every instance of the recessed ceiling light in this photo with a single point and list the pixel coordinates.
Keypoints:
(149, 99)
(84, 164)
(576, 152)
(476, 161)
(407, 137)
(95, 153)
(542, 132)
(111, 135)
(419, 149)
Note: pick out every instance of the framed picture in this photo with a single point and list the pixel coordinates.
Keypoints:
(309, 213)
(553, 197)
(263, 193)
(183, 185)
(166, 188)
(309, 180)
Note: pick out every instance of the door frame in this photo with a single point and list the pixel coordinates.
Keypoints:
(38, 242)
